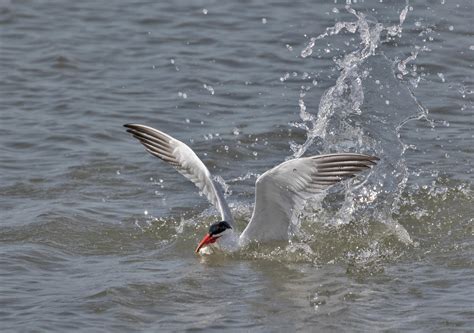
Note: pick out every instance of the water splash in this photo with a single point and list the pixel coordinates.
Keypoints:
(349, 81)
(364, 111)
(209, 88)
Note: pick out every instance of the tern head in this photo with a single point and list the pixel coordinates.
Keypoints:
(216, 231)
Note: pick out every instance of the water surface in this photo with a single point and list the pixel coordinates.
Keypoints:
(97, 235)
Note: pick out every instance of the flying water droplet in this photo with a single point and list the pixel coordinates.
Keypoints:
(441, 76)
(208, 88)
(285, 77)
(308, 50)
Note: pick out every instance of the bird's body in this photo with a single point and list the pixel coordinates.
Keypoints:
(280, 192)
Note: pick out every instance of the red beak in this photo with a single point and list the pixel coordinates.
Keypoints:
(208, 239)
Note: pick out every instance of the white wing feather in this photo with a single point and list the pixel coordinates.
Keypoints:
(186, 162)
(282, 191)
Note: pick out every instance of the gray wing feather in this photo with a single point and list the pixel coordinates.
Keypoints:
(185, 161)
(282, 191)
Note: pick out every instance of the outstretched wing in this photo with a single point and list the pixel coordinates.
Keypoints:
(183, 158)
(281, 192)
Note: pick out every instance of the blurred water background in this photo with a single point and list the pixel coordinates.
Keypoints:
(97, 235)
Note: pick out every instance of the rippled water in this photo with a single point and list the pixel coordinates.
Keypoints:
(97, 235)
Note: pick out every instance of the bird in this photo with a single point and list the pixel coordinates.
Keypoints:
(280, 192)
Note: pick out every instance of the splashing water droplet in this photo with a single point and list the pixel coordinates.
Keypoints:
(402, 65)
(308, 50)
(285, 77)
(403, 15)
(441, 76)
(209, 88)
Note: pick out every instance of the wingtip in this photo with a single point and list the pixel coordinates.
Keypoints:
(130, 125)
(374, 159)
(132, 128)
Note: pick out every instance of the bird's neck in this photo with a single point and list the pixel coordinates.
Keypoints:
(229, 242)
